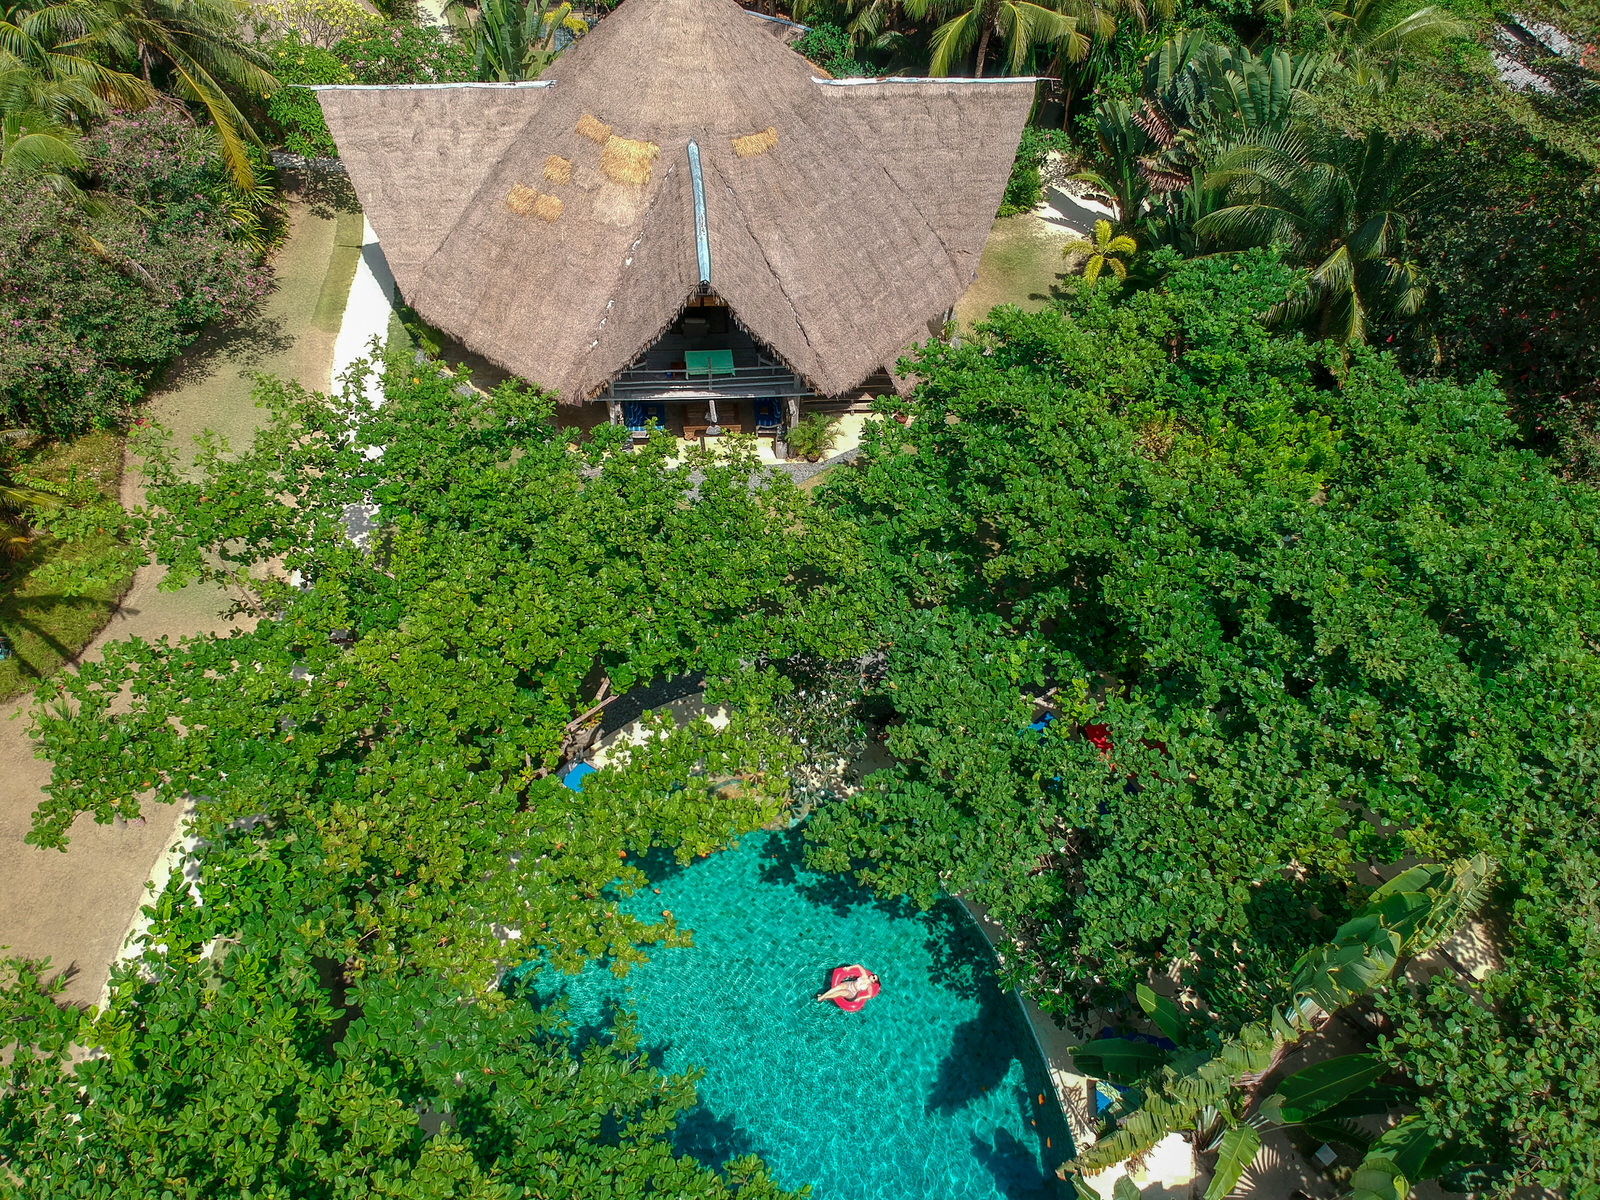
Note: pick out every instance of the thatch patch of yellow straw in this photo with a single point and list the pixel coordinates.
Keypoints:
(521, 198)
(528, 202)
(558, 169)
(624, 160)
(593, 129)
(752, 144)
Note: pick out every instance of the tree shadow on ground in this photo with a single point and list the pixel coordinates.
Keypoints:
(11, 618)
(245, 345)
(325, 193)
(783, 863)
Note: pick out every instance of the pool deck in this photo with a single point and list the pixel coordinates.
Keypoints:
(1168, 1172)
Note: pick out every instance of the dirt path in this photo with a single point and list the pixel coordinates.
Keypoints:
(76, 907)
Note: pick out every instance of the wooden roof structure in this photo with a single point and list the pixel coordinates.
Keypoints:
(551, 226)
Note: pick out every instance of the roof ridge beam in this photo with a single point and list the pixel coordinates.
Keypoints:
(417, 87)
(858, 82)
(702, 239)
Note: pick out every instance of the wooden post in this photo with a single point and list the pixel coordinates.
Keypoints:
(614, 411)
(792, 411)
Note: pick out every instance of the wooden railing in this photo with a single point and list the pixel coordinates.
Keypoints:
(639, 382)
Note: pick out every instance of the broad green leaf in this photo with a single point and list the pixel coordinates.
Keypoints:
(1168, 1017)
(1120, 1060)
(1408, 1145)
(1378, 1179)
(1311, 1090)
(1237, 1152)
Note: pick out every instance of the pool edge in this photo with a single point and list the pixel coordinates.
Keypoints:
(1053, 1044)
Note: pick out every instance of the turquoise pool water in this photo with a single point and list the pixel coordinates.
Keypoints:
(932, 1091)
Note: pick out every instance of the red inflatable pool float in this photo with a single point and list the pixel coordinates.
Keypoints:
(840, 975)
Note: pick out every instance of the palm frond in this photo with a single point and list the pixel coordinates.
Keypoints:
(1027, 25)
(952, 41)
(1239, 226)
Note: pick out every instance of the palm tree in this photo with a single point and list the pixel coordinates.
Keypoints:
(16, 500)
(52, 81)
(1366, 33)
(1103, 249)
(1212, 1091)
(200, 44)
(1020, 24)
(1338, 207)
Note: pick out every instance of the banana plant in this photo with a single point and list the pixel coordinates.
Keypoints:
(513, 40)
(1211, 1092)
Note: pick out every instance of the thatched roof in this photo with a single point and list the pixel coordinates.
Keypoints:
(551, 227)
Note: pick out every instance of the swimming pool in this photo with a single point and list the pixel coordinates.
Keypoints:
(934, 1090)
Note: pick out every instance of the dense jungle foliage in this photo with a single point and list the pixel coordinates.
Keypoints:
(1199, 604)
(362, 863)
(1325, 617)
(96, 299)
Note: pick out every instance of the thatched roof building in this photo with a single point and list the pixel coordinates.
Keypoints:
(681, 149)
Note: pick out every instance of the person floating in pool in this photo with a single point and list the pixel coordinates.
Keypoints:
(852, 986)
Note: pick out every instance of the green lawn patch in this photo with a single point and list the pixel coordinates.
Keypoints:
(42, 627)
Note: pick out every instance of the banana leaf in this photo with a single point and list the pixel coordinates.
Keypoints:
(1238, 1151)
(1308, 1092)
(1167, 1016)
(1117, 1059)
(1408, 1145)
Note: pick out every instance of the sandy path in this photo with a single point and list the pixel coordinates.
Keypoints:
(76, 907)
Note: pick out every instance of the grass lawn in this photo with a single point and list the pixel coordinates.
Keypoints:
(1021, 265)
(43, 629)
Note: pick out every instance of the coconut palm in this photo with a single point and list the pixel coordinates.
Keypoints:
(1366, 33)
(1103, 250)
(1022, 25)
(1340, 208)
(200, 45)
(52, 81)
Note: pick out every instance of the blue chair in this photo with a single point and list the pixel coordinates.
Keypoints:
(637, 414)
(768, 420)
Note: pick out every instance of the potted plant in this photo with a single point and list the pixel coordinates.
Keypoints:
(813, 436)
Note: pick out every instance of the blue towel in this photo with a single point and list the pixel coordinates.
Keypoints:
(574, 778)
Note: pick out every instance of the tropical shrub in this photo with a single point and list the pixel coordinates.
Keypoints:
(406, 54)
(515, 39)
(1258, 589)
(813, 436)
(390, 733)
(319, 23)
(1025, 188)
(92, 307)
(198, 52)
(293, 112)
(829, 47)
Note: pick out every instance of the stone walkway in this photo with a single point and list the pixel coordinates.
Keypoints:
(77, 907)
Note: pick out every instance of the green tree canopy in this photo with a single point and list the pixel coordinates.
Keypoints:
(1325, 621)
(442, 595)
